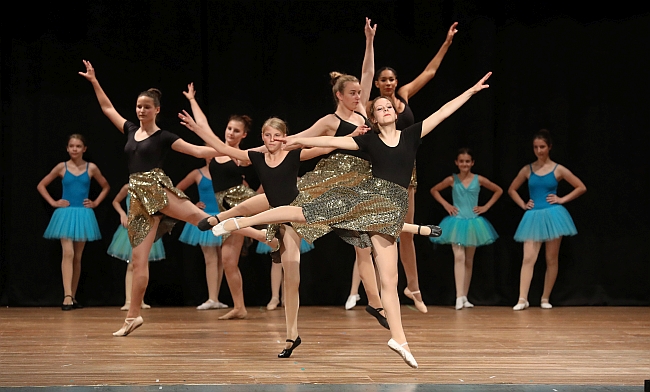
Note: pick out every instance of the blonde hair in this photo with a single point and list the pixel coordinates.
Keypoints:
(276, 123)
(338, 81)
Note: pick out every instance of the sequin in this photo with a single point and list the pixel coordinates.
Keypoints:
(414, 179)
(148, 192)
(233, 196)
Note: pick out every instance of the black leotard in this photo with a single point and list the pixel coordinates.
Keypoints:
(394, 164)
(345, 128)
(147, 154)
(280, 182)
(406, 118)
(225, 175)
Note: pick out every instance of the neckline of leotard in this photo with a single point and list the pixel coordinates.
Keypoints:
(76, 175)
(543, 175)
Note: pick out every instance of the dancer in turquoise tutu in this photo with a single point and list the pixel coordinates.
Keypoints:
(545, 220)
(73, 221)
(120, 246)
(464, 228)
(210, 244)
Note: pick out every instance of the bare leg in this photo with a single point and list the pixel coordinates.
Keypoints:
(67, 248)
(252, 206)
(276, 282)
(76, 265)
(469, 266)
(354, 287)
(552, 253)
(459, 272)
(407, 255)
(230, 251)
(531, 250)
(128, 284)
(211, 256)
(368, 276)
(290, 255)
(140, 264)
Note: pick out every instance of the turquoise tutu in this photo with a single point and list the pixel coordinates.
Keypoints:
(120, 247)
(264, 249)
(74, 223)
(466, 232)
(191, 235)
(545, 224)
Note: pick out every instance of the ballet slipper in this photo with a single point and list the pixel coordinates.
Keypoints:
(419, 304)
(521, 305)
(130, 325)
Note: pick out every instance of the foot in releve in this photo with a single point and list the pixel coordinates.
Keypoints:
(521, 305)
(376, 313)
(352, 301)
(273, 303)
(419, 304)
(208, 223)
(545, 304)
(220, 229)
(286, 353)
(405, 354)
(130, 325)
(234, 314)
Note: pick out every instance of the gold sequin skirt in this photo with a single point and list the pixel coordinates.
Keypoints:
(414, 179)
(148, 192)
(337, 170)
(374, 205)
(233, 196)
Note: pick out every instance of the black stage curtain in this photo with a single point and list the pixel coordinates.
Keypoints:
(579, 74)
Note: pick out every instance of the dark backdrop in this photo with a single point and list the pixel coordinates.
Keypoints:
(579, 73)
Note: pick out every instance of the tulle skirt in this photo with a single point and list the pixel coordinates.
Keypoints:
(120, 247)
(264, 249)
(191, 235)
(466, 232)
(545, 224)
(74, 223)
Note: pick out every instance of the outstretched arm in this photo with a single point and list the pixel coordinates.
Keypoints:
(368, 67)
(211, 139)
(450, 107)
(496, 194)
(104, 102)
(410, 89)
(435, 192)
(341, 142)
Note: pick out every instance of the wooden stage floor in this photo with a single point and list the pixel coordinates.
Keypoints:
(491, 346)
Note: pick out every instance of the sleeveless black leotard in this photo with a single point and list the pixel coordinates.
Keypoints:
(225, 175)
(147, 154)
(280, 182)
(345, 128)
(406, 118)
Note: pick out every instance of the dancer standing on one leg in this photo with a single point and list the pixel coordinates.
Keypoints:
(371, 213)
(230, 190)
(120, 246)
(277, 170)
(464, 228)
(545, 220)
(73, 221)
(155, 203)
(210, 245)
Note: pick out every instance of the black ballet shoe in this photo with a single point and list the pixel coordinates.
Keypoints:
(286, 353)
(67, 306)
(275, 257)
(75, 304)
(375, 313)
(436, 231)
(204, 225)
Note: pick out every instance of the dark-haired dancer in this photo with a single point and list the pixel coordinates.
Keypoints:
(386, 81)
(545, 220)
(73, 221)
(155, 203)
(373, 211)
(465, 229)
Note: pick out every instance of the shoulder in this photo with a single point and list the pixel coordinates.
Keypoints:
(130, 127)
(93, 168)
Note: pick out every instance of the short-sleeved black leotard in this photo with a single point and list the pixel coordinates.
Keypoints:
(345, 128)
(147, 154)
(406, 118)
(280, 182)
(225, 175)
(394, 164)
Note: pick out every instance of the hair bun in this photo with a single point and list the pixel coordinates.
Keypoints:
(334, 76)
(156, 92)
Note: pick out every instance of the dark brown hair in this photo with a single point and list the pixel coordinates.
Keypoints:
(242, 118)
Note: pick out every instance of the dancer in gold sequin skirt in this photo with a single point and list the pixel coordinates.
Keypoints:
(155, 203)
(377, 206)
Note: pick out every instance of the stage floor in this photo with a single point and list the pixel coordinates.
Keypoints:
(479, 349)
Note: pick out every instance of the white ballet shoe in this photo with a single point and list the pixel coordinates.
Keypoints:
(352, 301)
(521, 305)
(467, 304)
(545, 304)
(130, 325)
(220, 229)
(406, 356)
(210, 304)
(459, 303)
(144, 306)
(126, 306)
(273, 303)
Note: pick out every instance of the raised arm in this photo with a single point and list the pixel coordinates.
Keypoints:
(435, 192)
(496, 194)
(450, 107)
(95, 173)
(104, 102)
(368, 67)
(578, 187)
(516, 183)
(410, 89)
(117, 204)
(211, 139)
(47, 180)
(198, 114)
(341, 142)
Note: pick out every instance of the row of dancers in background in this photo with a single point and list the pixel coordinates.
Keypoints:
(372, 218)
